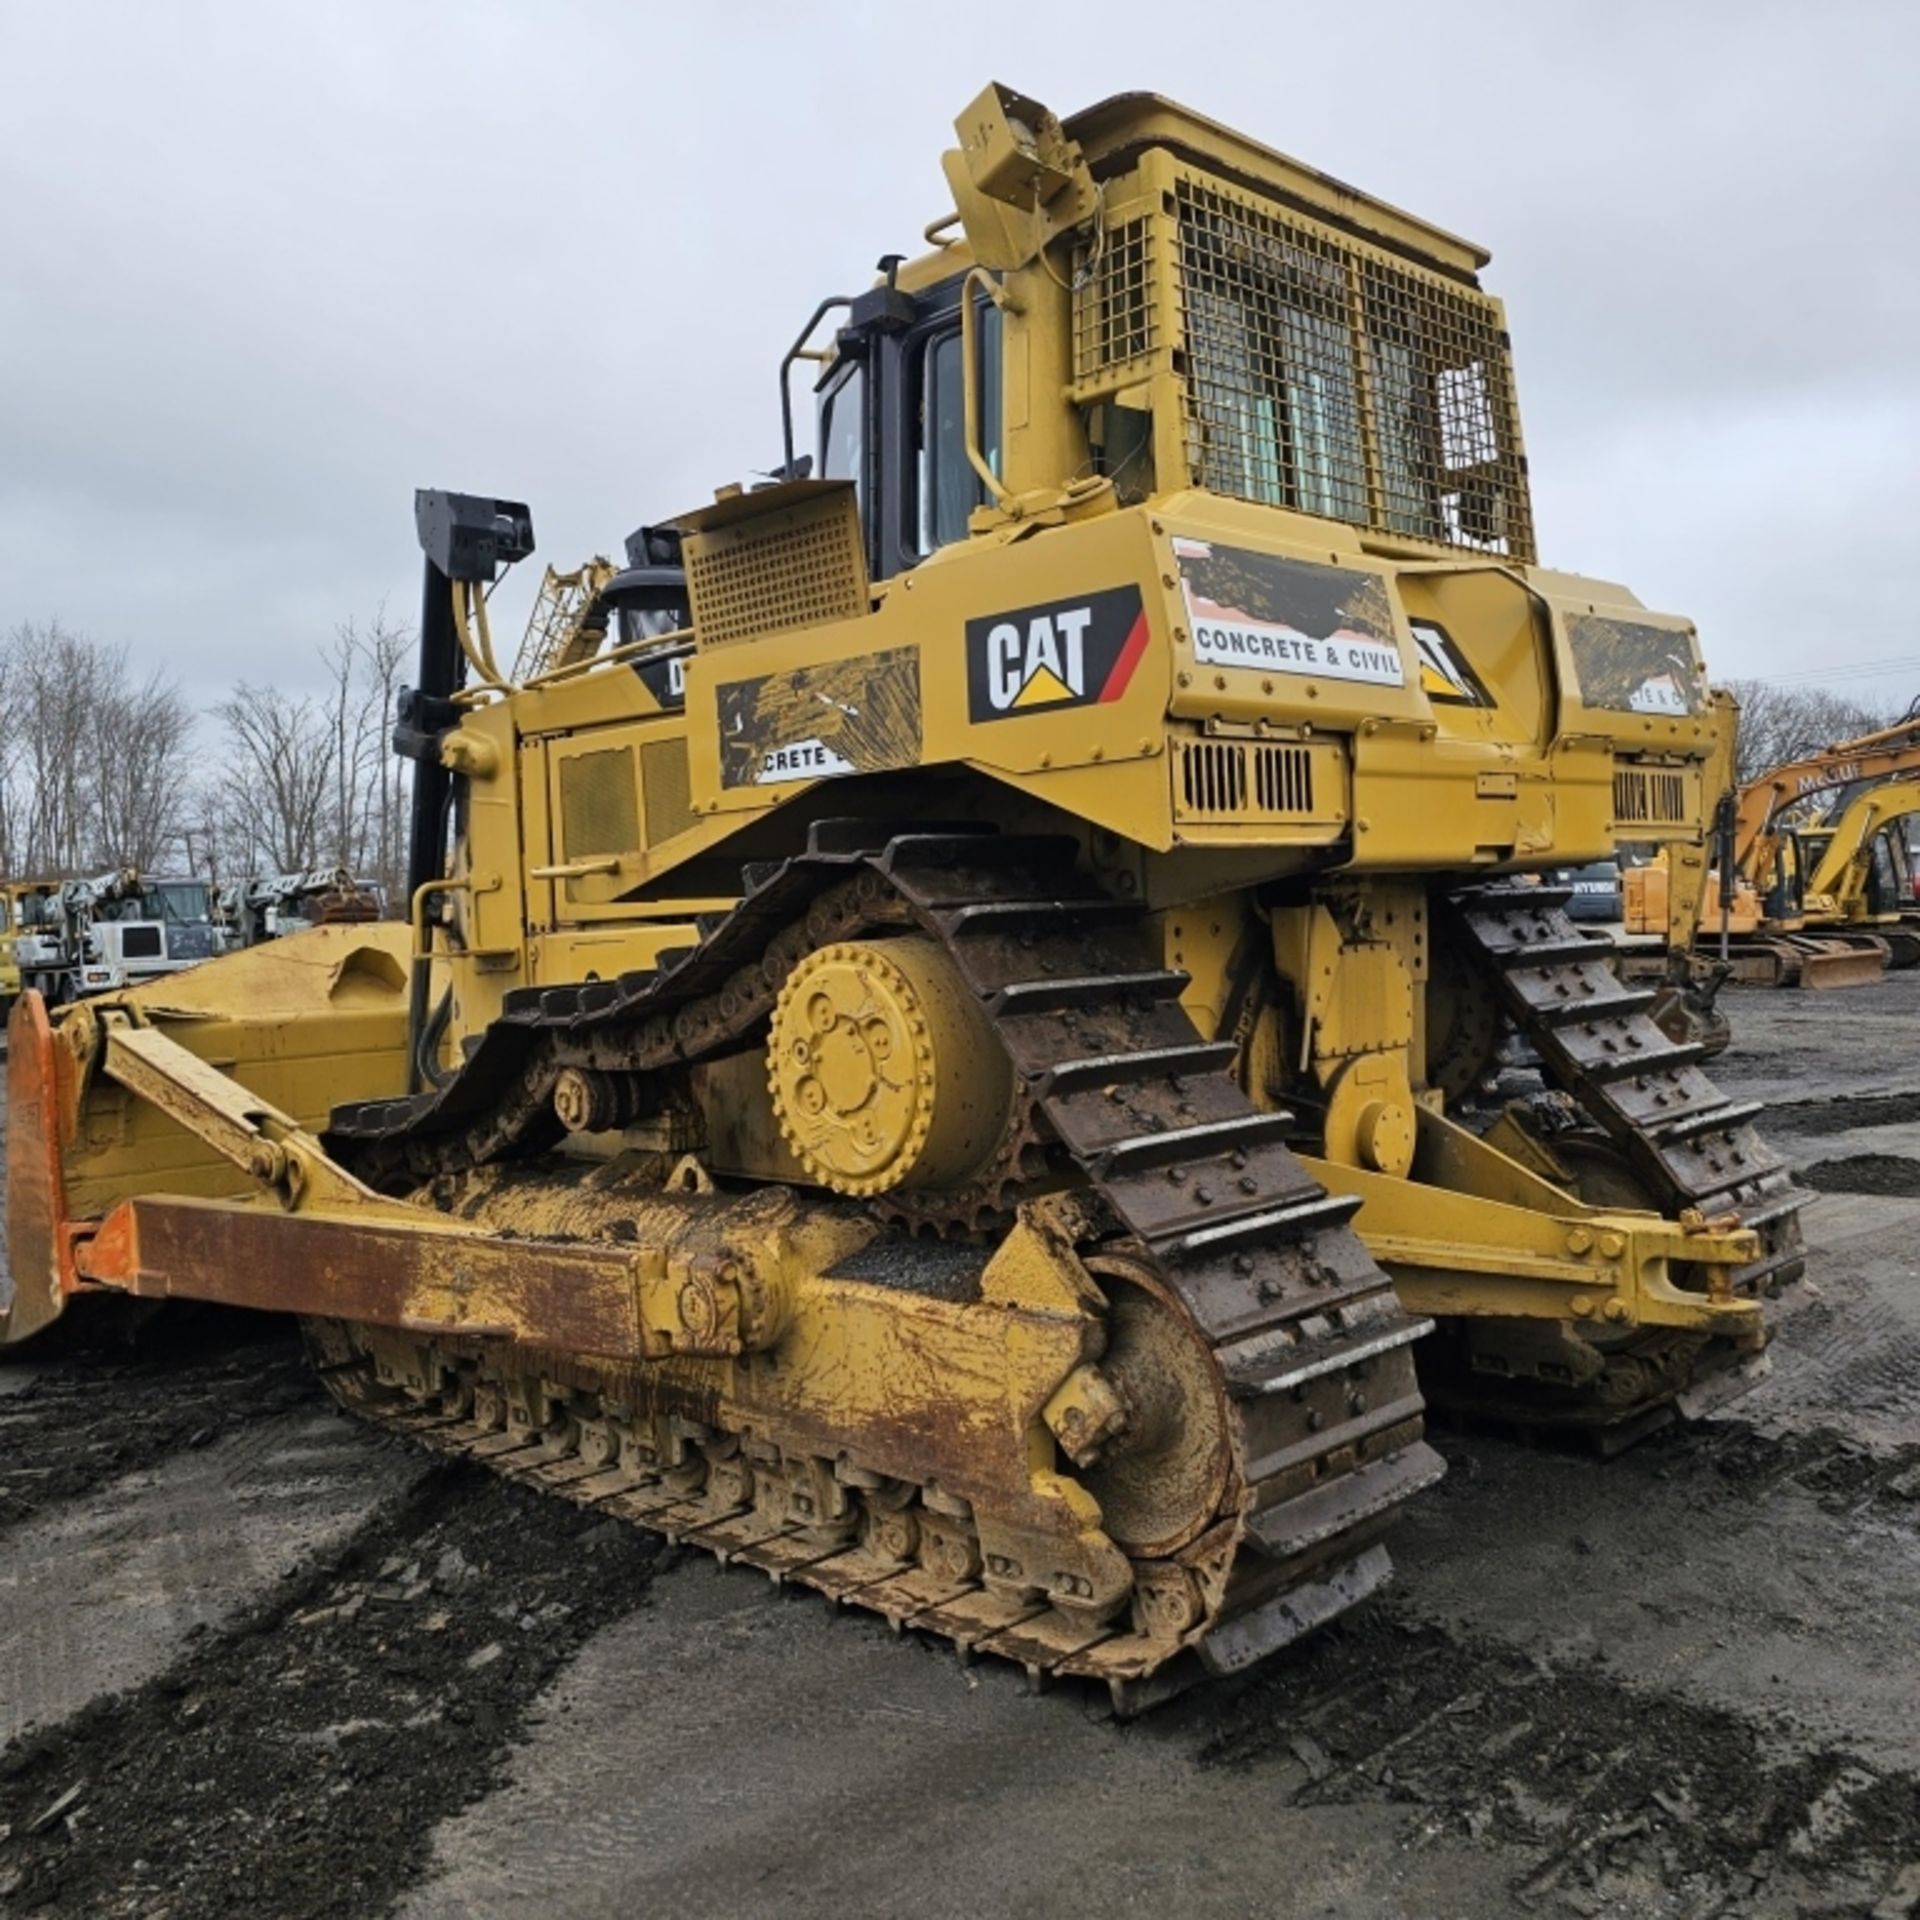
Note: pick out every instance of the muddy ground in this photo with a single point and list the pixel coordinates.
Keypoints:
(258, 1660)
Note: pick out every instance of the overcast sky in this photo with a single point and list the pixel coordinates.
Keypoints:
(267, 268)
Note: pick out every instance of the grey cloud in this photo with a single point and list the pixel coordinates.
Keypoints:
(269, 269)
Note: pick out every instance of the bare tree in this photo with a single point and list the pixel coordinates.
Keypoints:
(9, 760)
(312, 781)
(278, 779)
(139, 745)
(59, 673)
(381, 649)
(1781, 723)
(92, 764)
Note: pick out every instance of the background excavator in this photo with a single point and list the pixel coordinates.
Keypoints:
(1859, 861)
(11, 895)
(940, 1045)
(1748, 909)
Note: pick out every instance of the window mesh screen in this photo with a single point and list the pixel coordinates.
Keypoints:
(1322, 379)
(1114, 321)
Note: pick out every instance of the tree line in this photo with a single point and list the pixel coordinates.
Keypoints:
(102, 766)
(1782, 723)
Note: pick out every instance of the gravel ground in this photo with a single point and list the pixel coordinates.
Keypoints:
(265, 1662)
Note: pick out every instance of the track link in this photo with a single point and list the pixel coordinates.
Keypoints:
(1187, 1185)
(1689, 1146)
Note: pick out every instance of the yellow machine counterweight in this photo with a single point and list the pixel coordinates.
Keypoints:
(944, 1041)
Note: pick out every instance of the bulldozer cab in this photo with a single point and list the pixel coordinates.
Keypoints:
(1165, 305)
(891, 419)
(1138, 307)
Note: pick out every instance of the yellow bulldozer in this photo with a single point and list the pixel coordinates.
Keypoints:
(943, 1041)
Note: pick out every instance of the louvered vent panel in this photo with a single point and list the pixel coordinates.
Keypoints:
(1242, 780)
(1649, 796)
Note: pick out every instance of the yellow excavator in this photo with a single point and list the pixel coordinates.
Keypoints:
(1755, 909)
(942, 1052)
(1860, 868)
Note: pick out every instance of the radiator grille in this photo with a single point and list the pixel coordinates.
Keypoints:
(796, 566)
(666, 789)
(1114, 317)
(599, 808)
(1236, 780)
(1320, 377)
(1646, 796)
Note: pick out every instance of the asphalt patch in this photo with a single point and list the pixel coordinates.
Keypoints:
(1883, 1173)
(109, 1409)
(1619, 1801)
(296, 1762)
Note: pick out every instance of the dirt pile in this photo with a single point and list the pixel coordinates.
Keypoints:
(295, 1762)
(1886, 1173)
(1844, 1476)
(1840, 1113)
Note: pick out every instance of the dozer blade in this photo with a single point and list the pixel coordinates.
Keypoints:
(1836, 965)
(39, 1266)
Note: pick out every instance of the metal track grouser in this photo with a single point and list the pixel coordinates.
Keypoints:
(943, 1044)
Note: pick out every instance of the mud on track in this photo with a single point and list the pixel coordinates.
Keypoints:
(295, 1761)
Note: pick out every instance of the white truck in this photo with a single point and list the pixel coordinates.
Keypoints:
(78, 937)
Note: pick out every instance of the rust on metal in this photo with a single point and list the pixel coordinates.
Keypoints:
(39, 1099)
(582, 1297)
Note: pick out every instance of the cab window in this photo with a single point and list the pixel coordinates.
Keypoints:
(947, 486)
(843, 438)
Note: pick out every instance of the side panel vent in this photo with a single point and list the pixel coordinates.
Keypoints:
(1649, 796)
(1243, 780)
(762, 571)
(599, 805)
(665, 788)
(1213, 777)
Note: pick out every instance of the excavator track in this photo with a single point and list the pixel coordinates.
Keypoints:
(1185, 1192)
(1639, 1091)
